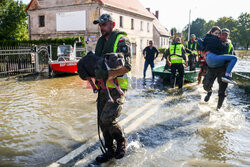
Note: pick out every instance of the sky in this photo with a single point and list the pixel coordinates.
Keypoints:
(175, 13)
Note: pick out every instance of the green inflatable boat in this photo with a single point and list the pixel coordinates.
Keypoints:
(189, 76)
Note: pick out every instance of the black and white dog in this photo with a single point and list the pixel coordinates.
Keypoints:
(87, 65)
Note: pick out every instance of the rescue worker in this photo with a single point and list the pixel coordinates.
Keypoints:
(112, 41)
(175, 56)
(150, 53)
(192, 57)
(213, 73)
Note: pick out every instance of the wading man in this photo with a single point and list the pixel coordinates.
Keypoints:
(192, 57)
(112, 41)
(213, 73)
(150, 53)
(175, 56)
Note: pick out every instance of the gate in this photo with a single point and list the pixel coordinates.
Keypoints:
(42, 58)
(23, 59)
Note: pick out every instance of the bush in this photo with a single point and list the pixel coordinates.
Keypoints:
(162, 50)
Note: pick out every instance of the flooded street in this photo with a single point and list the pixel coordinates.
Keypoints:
(43, 119)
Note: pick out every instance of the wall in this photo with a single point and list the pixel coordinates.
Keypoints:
(49, 31)
(135, 35)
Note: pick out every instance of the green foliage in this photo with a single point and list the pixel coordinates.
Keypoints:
(239, 29)
(162, 50)
(231, 24)
(13, 20)
(244, 29)
(173, 31)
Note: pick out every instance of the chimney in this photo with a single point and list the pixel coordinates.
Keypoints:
(157, 14)
(148, 9)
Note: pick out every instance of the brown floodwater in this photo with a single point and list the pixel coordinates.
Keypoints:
(42, 119)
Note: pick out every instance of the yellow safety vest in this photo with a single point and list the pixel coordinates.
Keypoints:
(124, 81)
(229, 48)
(176, 53)
(191, 46)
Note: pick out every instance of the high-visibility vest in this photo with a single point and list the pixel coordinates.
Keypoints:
(175, 51)
(229, 48)
(123, 81)
(193, 49)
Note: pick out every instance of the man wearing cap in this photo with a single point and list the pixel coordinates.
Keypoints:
(150, 53)
(175, 55)
(213, 73)
(111, 41)
(192, 57)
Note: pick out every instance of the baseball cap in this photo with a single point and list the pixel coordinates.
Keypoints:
(225, 30)
(103, 19)
(192, 35)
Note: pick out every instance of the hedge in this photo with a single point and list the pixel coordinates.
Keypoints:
(162, 50)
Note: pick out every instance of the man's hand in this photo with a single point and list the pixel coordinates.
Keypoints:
(186, 64)
(169, 64)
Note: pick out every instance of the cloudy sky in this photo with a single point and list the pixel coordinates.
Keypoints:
(174, 13)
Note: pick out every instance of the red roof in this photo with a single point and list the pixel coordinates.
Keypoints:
(28, 6)
(129, 5)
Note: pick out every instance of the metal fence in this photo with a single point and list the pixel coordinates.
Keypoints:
(16, 60)
(23, 59)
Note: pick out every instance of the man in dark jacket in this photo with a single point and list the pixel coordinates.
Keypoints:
(150, 53)
(111, 41)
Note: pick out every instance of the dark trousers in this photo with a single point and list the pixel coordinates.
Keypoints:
(180, 68)
(108, 114)
(211, 75)
(146, 66)
(191, 62)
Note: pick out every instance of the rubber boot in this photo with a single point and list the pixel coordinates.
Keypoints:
(106, 156)
(220, 102)
(207, 97)
(121, 149)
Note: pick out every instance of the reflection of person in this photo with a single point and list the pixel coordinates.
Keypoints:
(192, 57)
(175, 56)
(213, 73)
(150, 53)
(112, 41)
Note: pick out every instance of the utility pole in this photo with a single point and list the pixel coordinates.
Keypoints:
(189, 25)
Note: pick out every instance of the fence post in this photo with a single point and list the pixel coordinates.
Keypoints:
(37, 60)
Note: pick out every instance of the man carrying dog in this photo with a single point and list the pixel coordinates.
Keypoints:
(111, 41)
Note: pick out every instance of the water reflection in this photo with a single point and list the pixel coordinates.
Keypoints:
(43, 118)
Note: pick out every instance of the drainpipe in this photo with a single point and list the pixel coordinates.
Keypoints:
(29, 29)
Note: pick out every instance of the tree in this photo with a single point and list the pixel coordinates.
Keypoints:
(173, 31)
(231, 24)
(244, 29)
(197, 27)
(208, 26)
(13, 20)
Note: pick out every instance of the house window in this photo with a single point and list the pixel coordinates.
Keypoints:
(132, 24)
(121, 21)
(148, 27)
(41, 21)
(141, 26)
